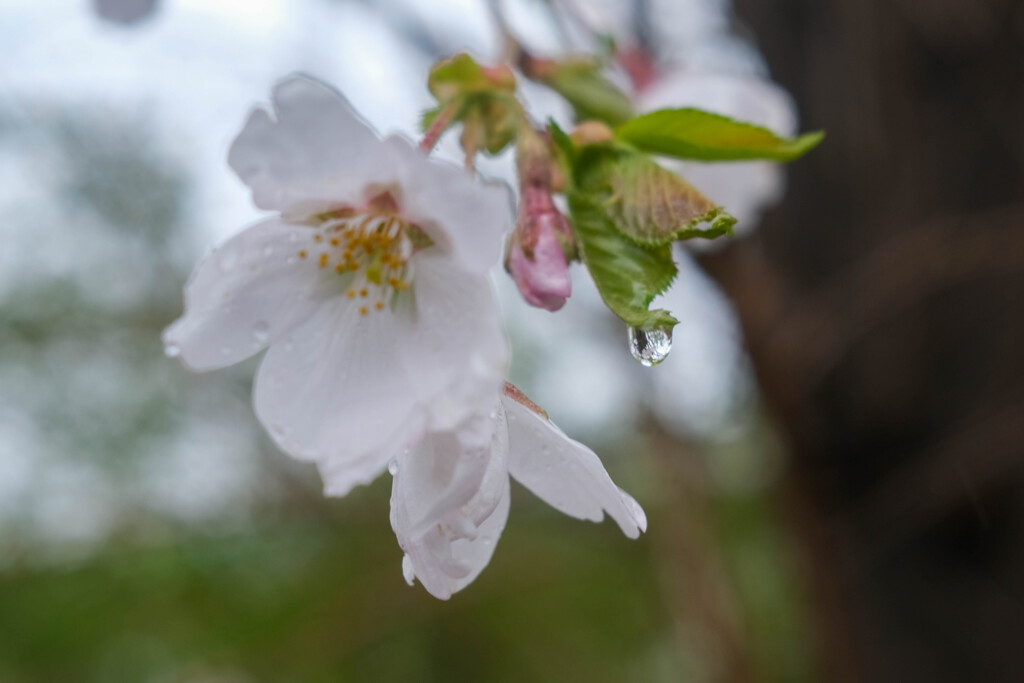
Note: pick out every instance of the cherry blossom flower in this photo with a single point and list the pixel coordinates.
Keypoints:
(368, 289)
(450, 495)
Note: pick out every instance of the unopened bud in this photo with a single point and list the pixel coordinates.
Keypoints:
(542, 244)
(537, 262)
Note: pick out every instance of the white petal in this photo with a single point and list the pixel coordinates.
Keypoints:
(350, 391)
(242, 296)
(564, 473)
(448, 549)
(465, 217)
(314, 150)
(447, 469)
(330, 392)
(455, 349)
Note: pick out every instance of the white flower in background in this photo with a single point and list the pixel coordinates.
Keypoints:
(450, 497)
(124, 11)
(369, 289)
(746, 188)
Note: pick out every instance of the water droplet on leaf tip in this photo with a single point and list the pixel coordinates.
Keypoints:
(650, 347)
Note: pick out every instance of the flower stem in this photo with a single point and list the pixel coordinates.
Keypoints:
(437, 128)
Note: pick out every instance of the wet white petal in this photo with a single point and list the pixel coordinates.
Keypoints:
(331, 391)
(312, 151)
(451, 547)
(465, 217)
(350, 390)
(564, 473)
(242, 296)
(453, 347)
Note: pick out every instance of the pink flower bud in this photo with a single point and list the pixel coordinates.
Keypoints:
(536, 255)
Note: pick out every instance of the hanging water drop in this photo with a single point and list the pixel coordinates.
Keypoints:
(650, 347)
(260, 331)
(172, 350)
(393, 467)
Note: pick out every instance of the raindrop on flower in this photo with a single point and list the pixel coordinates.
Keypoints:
(393, 467)
(650, 347)
(172, 350)
(260, 331)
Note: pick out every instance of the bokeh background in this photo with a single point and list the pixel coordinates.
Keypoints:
(831, 458)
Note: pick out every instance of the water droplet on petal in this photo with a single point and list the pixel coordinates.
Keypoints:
(260, 331)
(393, 467)
(172, 350)
(650, 347)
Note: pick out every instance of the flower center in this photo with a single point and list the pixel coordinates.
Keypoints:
(369, 248)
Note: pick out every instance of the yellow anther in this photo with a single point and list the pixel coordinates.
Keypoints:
(303, 254)
(379, 305)
(335, 241)
(363, 310)
(318, 237)
(323, 260)
(351, 294)
(340, 268)
(363, 292)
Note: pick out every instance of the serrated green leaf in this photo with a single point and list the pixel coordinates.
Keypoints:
(646, 202)
(703, 136)
(591, 95)
(628, 275)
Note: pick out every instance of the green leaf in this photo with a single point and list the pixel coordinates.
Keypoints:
(701, 135)
(647, 203)
(628, 275)
(591, 95)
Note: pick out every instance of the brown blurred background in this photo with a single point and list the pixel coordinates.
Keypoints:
(883, 305)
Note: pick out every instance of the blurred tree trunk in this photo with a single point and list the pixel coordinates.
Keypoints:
(883, 306)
